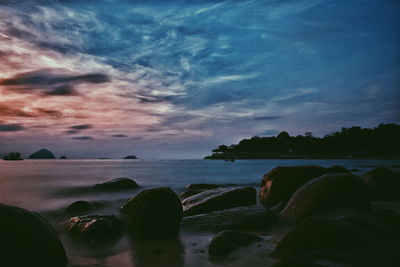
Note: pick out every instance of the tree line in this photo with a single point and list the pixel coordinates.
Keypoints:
(382, 141)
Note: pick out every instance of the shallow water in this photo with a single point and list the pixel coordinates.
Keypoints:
(49, 186)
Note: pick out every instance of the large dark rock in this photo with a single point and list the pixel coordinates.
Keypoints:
(27, 239)
(280, 183)
(42, 154)
(154, 212)
(345, 237)
(193, 189)
(330, 191)
(13, 156)
(94, 228)
(79, 207)
(248, 218)
(219, 199)
(383, 184)
(63, 157)
(225, 242)
(118, 184)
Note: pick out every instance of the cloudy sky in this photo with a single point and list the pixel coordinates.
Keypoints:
(175, 79)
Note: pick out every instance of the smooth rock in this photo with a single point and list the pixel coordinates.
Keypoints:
(118, 184)
(383, 184)
(219, 199)
(94, 228)
(280, 183)
(193, 189)
(330, 191)
(42, 154)
(154, 212)
(27, 239)
(79, 207)
(349, 237)
(63, 157)
(225, 242)
(249, 218)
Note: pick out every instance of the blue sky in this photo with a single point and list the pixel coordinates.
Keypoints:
(175, 79)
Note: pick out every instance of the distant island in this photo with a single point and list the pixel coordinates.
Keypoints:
(130, 157)
(382, 141)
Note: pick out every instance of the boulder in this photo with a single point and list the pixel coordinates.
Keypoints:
(330, 191)
(383, 184)
(346, 237)
(154, 212)
(121, 183)
(225, 242)
(94, 228)
(247, 218)
(13, 156)
(27, 239)
(63, 157)
(193, 189)
(219, 199)
(79, 207)
(42, 154)
(130, 157)
(280, 183)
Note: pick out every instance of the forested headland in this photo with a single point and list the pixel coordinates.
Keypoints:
(382, 141)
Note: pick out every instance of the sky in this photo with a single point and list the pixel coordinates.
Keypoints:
(175, 79)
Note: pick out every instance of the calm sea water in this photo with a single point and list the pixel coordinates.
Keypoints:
(49, 186)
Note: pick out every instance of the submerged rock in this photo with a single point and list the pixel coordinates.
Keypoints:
(193, 189)
(219, 199)
(330, 191)
(118, 184)
(383, 184)
(225, 242)
(27, 239)
(42, 154)
(280, 183)
(154, 212)
(79, 207)
(249, 218)
(346, 237)
(94, 228)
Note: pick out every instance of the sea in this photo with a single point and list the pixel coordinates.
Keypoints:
(49, 186)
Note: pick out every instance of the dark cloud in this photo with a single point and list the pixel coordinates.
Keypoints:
(81, 127)
(83, 138)
(63, 90)
(268, 118)
(53, 81)
(71, 131)
(119, 135)
(11, 127)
